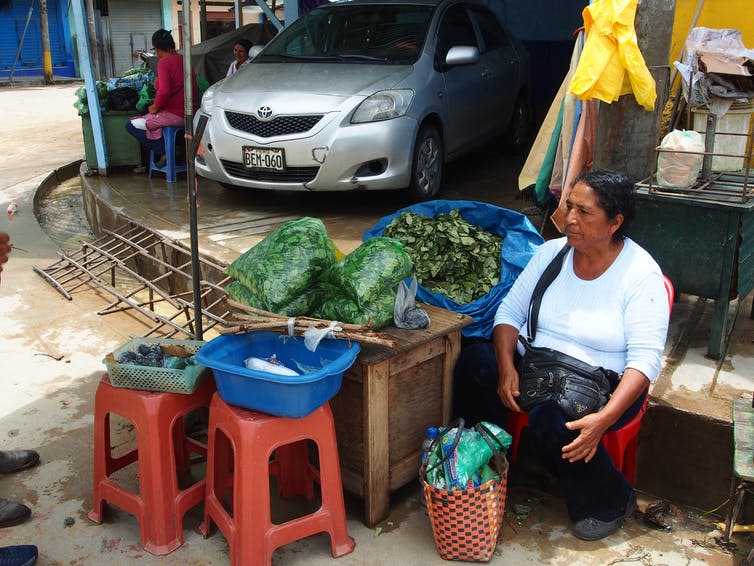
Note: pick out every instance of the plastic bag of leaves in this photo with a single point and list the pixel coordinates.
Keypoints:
(82, 104)
(286, 265)
(520, 241)
(304, 304)
(340, 308)
(242, 294)
(146, 97)
(368, 271)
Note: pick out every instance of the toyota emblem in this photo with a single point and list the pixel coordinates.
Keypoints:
(264, 112)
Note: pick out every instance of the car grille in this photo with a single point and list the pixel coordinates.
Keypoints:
(290, 175)
(280, 126)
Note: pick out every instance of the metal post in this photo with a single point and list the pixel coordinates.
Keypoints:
(21, 43)
(202, 20)
(238, 9)
(93, 37)
(273, 18)
(46, 57)
(290, 12)
(188, 108)
(92, 98)
(709, 145)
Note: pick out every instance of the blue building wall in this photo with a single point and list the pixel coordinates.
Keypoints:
(13, 17)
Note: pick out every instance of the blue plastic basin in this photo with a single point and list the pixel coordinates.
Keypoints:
(284, 396)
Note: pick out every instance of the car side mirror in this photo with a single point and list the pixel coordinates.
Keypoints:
(461, 55)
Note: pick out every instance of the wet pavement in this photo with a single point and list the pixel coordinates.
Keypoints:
(52, 351)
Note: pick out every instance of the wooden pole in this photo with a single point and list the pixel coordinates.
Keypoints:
(92, 32)
(46, 56)
(626, 133)
(188, 108)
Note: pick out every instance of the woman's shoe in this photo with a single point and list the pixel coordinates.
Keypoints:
(591, 529)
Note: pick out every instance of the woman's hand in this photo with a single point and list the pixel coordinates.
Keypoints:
(153, 109)
(507, 386)
(504, 338)
(632, 385)
(584, 446)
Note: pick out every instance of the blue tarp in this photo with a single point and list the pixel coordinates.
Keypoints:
(520, 240)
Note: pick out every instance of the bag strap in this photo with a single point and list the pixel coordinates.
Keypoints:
(458, 424)
(498, 450)
(547, 277)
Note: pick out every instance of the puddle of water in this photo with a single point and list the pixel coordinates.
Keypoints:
(61, 216)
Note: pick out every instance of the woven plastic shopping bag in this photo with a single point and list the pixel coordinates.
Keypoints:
(466, 522)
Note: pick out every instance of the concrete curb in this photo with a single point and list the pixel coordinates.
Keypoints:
(56, 176)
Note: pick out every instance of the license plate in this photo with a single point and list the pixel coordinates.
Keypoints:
(264, 158)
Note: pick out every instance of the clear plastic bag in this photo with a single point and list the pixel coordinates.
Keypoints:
(406, 314)
(676, 168)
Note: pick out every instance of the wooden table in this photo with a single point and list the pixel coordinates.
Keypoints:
(388, 399)
(705, 248)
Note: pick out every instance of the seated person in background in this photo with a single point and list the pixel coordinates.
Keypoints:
(168, 106)
(608, 307)
(241, 54)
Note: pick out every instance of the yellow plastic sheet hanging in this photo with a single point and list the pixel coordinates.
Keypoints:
(611, 63)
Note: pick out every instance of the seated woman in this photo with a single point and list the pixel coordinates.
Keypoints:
(168, 106)
(241, 55)
(608, 307)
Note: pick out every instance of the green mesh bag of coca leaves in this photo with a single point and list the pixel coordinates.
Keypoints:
(368, 271)
(287, 264)
(304, 304)
(378, 313)
(242, 294)
(362, 286)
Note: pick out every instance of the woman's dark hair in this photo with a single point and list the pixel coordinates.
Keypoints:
(162, 39)
(245, 43)
(615, 194)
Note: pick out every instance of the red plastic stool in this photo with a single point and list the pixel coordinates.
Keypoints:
(160, 505)
(621, 444)
(251, 535)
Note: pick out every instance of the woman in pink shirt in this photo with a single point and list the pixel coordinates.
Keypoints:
(167, 109)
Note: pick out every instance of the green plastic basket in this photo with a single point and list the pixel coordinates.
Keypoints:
(148, 378)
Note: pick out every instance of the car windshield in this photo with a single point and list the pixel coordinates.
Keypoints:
(391, 33)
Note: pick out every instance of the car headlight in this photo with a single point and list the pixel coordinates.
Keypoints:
(208, 99)
(383, 105)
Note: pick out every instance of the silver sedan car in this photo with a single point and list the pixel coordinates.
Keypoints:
(368, 95)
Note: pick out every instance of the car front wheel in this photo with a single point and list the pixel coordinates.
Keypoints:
(519, 128)
(428, 164)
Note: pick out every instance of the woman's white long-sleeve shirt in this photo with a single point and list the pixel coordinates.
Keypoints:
(618, 320)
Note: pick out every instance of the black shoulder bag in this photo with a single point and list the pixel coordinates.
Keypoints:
(546, 374)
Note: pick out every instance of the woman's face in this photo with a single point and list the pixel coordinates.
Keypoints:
(240, 53)
(587, 224)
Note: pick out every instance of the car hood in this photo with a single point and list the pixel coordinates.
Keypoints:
(320, 87)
